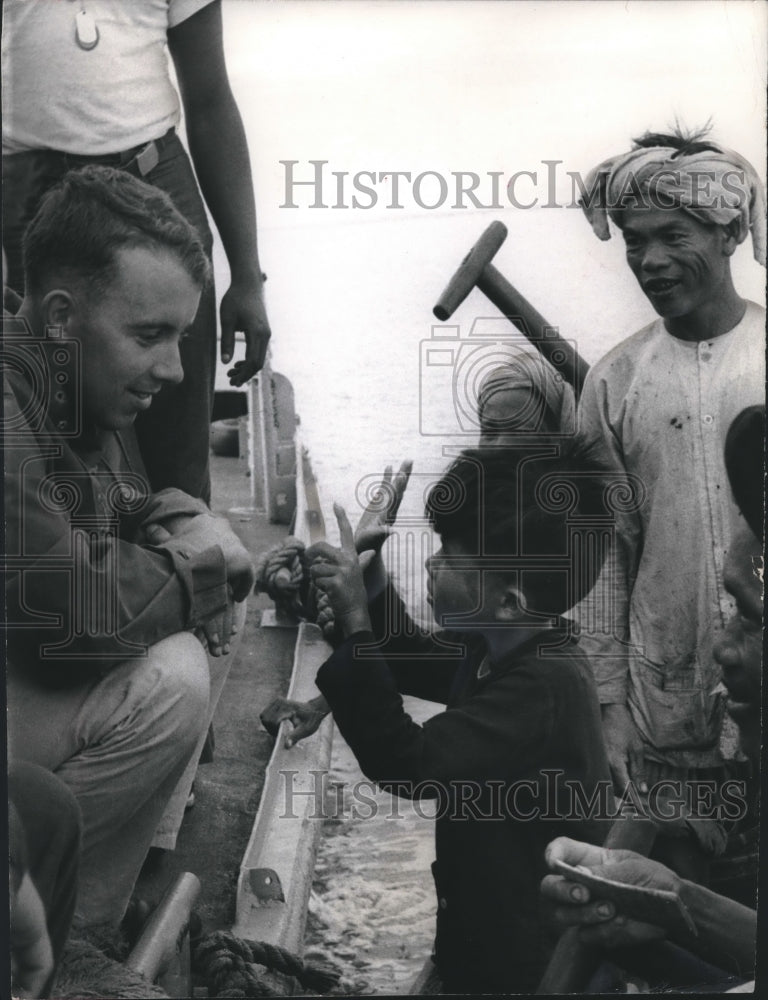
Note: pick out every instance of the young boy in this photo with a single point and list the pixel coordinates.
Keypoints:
(522, 717)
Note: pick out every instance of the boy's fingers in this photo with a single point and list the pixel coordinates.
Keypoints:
(320, 550)
(321, 570)
(346, 534)
(404, 473)
(366, 558)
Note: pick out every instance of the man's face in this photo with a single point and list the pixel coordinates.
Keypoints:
(680, 262)
(130, 334)
(740, 648)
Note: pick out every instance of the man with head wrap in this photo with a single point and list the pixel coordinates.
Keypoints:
(659, 405)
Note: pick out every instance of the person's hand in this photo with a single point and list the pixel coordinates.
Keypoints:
(338, 573)
(217, 632)
(624, 748)
(31, 952)
(160, 532)
(243, 309)
(200, 532)
(375, 524)
(572, 904)
(305, 717)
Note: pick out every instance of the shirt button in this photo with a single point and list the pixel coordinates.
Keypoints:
(442, 903)
(708, 418)
(705, 356)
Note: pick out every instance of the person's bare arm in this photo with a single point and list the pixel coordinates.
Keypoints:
(219, 152)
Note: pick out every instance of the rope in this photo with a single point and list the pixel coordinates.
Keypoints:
(228, 965)
(282, 574)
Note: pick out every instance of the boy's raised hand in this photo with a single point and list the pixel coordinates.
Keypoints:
(375, 524)
(338, 572)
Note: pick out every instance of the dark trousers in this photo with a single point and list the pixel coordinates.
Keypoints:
(51, 829)
(174, 433)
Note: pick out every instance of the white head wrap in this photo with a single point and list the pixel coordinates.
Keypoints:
(551, 406)
(715, 186)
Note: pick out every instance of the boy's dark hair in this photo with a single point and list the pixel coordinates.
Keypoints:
(92, 213)
(528, 517)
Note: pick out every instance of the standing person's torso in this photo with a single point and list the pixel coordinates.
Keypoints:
(111, 97)
(670, 403)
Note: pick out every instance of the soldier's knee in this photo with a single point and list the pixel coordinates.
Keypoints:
(183, 685)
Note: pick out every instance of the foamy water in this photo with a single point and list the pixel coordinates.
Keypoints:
(372, 908)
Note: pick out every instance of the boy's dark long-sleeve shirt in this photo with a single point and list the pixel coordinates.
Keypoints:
(502, 762)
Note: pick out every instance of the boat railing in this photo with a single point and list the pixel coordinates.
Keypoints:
(276, 873)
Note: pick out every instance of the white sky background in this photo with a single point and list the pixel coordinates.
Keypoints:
(486, 85)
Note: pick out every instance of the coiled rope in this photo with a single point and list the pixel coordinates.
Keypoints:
(282, 573)
(228, 965)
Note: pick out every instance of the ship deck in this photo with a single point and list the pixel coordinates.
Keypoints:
(215, 831)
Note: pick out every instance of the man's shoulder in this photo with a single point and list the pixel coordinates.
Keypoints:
(626, 353)
(753, 323)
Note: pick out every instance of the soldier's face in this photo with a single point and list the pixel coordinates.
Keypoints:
(130, 334)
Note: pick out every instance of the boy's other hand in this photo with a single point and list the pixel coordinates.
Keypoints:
(375, 524)
(624, 748)
(338, 572)
(305, 717)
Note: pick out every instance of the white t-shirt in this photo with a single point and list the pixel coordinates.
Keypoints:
(119, 94)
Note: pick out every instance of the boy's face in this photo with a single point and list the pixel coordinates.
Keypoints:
(680, 263)
(130, 334)
(456, 586)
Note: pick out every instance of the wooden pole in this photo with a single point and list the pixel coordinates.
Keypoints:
(476, 270)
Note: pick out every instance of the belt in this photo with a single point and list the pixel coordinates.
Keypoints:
(141, 159)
